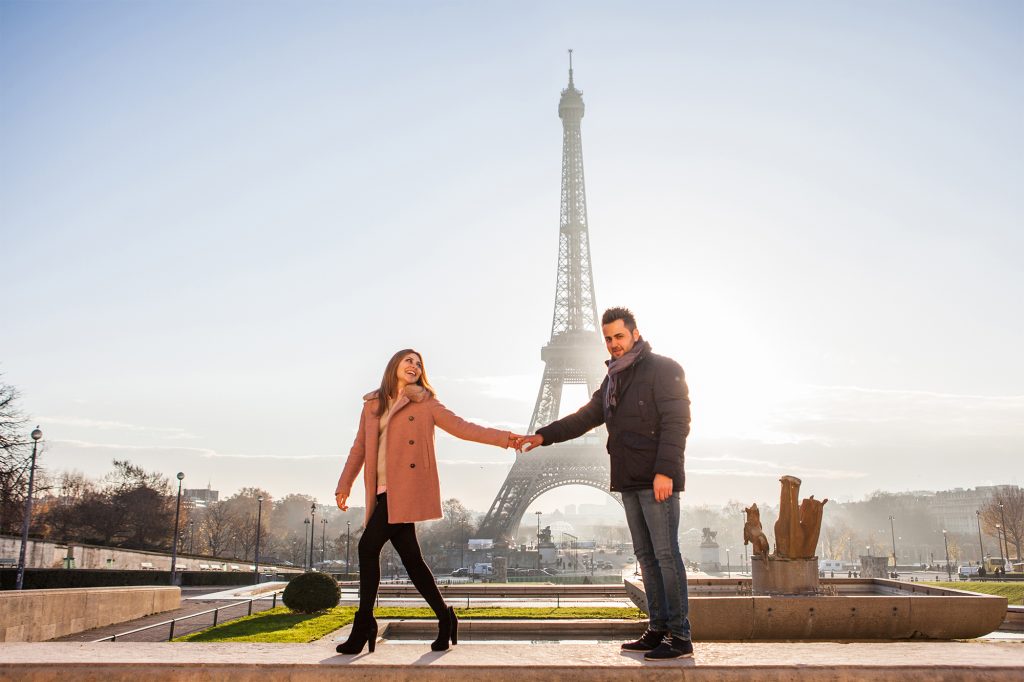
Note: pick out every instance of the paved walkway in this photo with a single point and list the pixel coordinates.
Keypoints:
(398, 662)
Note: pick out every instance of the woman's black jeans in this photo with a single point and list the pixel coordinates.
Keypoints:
(403, 538)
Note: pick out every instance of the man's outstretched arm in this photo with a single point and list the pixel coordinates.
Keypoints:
(571, 426)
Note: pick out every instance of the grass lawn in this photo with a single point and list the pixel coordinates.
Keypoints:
(281, 625)
(1014, 592)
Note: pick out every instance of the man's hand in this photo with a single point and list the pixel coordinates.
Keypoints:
(515, 441)
(341, 499)
(662, 487)
(527, 443)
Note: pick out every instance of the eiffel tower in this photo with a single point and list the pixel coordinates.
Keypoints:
(574, 355)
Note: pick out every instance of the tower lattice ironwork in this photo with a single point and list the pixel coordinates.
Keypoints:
(574, 355)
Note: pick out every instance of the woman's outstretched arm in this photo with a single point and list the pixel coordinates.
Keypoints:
(460, 428)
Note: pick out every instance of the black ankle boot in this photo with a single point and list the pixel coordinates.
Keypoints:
(447, 629)
(364, 631)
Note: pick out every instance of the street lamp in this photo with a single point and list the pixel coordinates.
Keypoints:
(323, 539)
(259, 526)
(312, 530)
(538, 529)
(348, 544)
(893, 530)
(191, 536)
(981, 545)
(744, 515)
(728, 571)
(1000, 545)
(945, 539)
(1005, 543)
(174, 545)
(36, 435)
(305, 540)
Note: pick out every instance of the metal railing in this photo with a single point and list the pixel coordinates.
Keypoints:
(215, 612)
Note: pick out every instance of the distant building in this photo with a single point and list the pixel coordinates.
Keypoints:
(201, 497)
(955, 509)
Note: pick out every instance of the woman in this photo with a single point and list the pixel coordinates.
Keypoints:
(395, 442)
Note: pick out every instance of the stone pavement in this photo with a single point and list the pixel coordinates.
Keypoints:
(398, 662)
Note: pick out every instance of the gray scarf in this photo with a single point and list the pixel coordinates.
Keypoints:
(617, 367)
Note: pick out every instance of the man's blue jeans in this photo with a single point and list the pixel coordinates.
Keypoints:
(655, 530)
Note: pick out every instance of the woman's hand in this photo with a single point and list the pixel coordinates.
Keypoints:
(515, 441)
(341, 499)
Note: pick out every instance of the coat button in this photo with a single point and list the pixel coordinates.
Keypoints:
(412, 466)
(412, 442)
(641, 402)
(412, 418)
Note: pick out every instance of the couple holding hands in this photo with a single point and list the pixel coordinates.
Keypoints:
(644, 403)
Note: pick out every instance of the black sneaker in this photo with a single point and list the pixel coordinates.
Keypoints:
(648, 641)
(671, 647)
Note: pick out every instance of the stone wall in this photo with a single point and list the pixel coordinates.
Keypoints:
(39, 615)
(45, 554)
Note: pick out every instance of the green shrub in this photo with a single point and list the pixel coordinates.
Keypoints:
(312, 592)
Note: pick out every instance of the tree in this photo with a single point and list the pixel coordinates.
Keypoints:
(146, 504)
(242, 511)
(1010, 516)
(215, 531)
(14, 454)
(61, 512)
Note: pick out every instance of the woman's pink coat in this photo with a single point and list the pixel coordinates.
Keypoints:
(414, 493)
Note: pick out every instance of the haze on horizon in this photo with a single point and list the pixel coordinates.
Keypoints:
(218, 221)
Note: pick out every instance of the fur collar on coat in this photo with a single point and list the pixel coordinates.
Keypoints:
(413, 392)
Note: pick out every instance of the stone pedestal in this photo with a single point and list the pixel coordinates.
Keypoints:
(710, 558)
(874, 567)
(783, 576)
(500, 565)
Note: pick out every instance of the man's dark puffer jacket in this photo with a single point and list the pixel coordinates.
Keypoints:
(648, 429)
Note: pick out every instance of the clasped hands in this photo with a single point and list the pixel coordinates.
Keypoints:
(525, 443)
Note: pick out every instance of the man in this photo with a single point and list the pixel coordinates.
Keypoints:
(643, 401)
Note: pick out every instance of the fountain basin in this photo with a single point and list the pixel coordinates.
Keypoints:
(723, 609)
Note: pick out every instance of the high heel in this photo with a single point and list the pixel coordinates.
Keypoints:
(447, 629)
(364, 631)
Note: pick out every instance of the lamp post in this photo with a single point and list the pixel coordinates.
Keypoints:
(174, 545)
(999, 544)
(191, 536)
(981, 545)
(305, 540)
(893, 530)
(259, 526)
(323, 539)
(348, 544)
(945, 540)
(744, 515)
(728, 571)
(538, 529)
(1005, 543)
(36, 435)
(312, 530)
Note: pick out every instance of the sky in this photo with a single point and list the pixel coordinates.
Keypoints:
(218, 220)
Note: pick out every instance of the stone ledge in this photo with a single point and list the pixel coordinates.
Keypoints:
(849, 662)
(39, 615)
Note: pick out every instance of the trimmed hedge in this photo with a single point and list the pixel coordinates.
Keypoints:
(311, 593)
(55, 578)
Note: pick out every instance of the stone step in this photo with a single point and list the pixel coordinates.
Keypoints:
(414, 662)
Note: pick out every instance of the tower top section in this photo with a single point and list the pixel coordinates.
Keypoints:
(570, 106)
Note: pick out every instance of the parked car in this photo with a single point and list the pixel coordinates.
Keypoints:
(460, 573)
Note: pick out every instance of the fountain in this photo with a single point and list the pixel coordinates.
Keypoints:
(784, 599)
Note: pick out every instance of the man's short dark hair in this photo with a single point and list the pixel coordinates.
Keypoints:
(624, 314)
